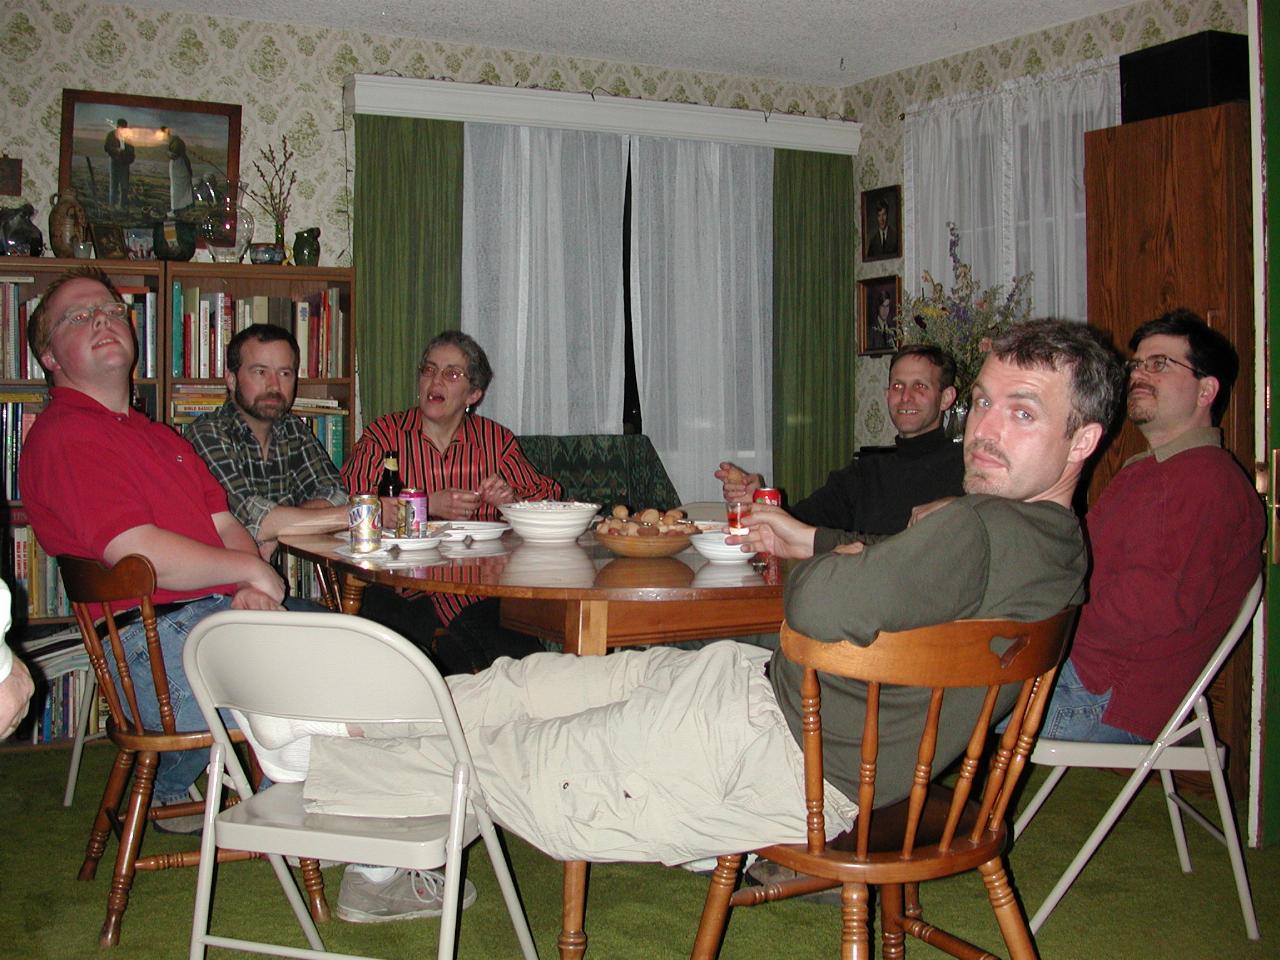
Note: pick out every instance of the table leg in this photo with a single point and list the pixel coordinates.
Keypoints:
(586, 627)
(352, 592)
(573, 936)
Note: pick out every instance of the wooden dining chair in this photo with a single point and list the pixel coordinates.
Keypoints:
(93, 588)
(936, 831)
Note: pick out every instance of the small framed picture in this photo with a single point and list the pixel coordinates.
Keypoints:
(882, 223)
(878, 300)
(140, 242)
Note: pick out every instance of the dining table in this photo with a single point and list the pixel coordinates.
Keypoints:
(578, 595)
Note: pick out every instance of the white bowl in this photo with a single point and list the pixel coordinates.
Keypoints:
(549, 521)
(712, 546)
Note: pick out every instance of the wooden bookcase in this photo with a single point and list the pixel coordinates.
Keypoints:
(165, 385)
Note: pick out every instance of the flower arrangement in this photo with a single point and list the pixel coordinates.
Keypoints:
(277, 184)
(963, 321)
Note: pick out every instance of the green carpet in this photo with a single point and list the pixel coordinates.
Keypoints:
(1132, 900)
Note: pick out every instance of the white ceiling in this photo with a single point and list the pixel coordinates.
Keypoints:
(830, 43)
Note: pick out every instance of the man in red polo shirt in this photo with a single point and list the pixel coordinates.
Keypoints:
(101, 480)
(1176, 541)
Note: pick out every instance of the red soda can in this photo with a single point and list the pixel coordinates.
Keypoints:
(768, 495)
(418, 501)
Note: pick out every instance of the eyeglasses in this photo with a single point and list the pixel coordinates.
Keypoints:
(82, 315)
(450, 374)
(1156, 363)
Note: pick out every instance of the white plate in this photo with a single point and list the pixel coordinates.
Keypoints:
(404, 543)
(477, 529)
(456, 551)
(383, 557)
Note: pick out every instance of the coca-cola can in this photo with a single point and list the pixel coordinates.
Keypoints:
(768, 495)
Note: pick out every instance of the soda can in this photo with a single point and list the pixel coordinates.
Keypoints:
(417, 500)
(364, 521)
(768, 495)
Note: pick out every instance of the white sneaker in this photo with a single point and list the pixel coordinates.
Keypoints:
(408, 894)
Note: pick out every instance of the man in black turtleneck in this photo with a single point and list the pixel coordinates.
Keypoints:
(874, 495)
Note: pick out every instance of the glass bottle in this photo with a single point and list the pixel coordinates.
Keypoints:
(390, 485)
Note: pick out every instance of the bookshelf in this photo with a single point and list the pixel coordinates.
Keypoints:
(184, 314)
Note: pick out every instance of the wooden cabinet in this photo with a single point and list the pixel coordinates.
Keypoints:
(1169, 225)
(184, 313)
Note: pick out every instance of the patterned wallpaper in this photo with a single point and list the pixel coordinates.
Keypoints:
(288, 78)
(879, 103)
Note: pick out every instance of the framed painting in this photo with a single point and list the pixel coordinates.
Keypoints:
(882, 223)
(878, 300)
(133, 160)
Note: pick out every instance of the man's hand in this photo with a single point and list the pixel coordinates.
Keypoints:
(495, 491)
(452, 504)
(250, 598)
(737, 484)
(924, 509)
(772, 530)
(15, 693)
(264, 580)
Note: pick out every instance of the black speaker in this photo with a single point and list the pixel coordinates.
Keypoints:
(1201, 70)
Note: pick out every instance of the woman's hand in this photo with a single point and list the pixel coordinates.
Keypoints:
(496, 491)
(453, 504)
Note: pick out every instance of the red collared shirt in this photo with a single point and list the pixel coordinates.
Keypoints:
(88, 474)
(479, 449)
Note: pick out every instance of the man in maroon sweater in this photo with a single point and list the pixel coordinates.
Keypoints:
(1176, 540)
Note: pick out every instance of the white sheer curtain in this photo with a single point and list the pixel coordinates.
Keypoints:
(1007, 166)
(542, 274)
(702, 305)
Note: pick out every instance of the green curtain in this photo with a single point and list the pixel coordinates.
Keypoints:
(814, 328)
(407, 250)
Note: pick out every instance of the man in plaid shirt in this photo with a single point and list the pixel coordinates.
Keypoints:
(277, 475)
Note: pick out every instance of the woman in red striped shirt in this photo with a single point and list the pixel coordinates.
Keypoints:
(468, 465)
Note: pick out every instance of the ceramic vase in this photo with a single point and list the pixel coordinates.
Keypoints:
(68, 223)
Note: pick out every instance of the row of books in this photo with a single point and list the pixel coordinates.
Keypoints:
(204, 322)
(62, 666)
(17, 362)
(300, 577)
(17, 412)
(33, 577)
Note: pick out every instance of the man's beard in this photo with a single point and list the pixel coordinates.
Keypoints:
(1141, 407)
(260, 408)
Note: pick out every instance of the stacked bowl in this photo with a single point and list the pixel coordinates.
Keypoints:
(549, 521)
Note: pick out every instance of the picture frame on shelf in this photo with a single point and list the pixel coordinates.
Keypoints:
(140, 242)
(882, 223)
(878, 301)
(108, 241)
(134, 159)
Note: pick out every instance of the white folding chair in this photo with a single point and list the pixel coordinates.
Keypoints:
(326, 666)
(1166, 753)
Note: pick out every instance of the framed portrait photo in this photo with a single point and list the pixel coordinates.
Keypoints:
(878, 300)
(882, 223)
(134, 160)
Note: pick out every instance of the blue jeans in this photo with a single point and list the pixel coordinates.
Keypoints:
(1075, 713)
(175, 771)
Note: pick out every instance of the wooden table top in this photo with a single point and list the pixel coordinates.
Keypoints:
(583, 570)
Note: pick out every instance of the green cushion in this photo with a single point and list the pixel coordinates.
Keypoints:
(604, 468)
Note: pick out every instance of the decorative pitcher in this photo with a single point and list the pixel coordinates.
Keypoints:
(306, 247)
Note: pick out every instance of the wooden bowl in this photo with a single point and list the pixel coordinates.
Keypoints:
(663, 545)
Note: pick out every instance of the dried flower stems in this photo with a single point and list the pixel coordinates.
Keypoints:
(277, 183)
